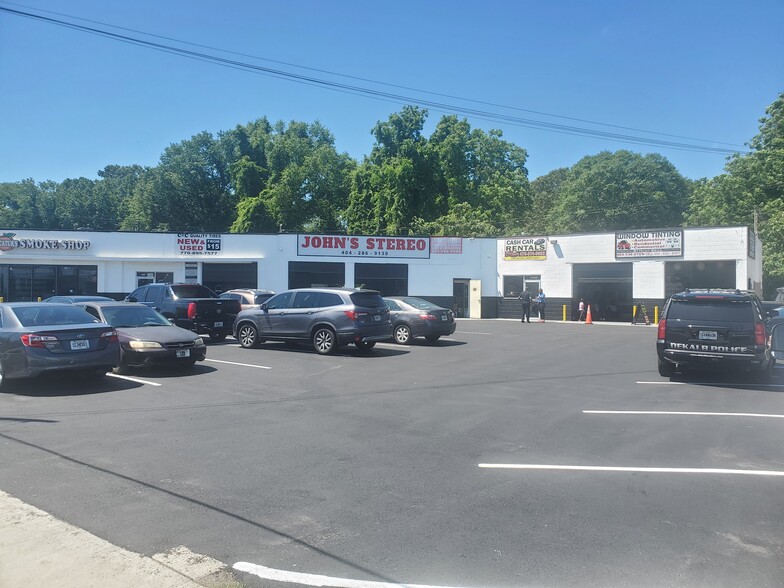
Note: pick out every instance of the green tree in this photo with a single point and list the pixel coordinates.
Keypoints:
(620, 190)
(462, 220)
(545, 195)
(752, 181)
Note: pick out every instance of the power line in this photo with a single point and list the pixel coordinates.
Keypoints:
(378, 94)
(388, 84)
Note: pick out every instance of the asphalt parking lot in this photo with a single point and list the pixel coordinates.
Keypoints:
(505, 455)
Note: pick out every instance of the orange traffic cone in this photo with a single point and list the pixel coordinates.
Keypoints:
(588, 317)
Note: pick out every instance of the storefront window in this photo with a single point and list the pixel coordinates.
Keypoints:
(391, 279)
(514, 285)
(313, 274)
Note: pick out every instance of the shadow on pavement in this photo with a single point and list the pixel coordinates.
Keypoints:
(170, 372)
(63, 384)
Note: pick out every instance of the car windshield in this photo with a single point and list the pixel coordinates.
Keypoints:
(47, 314)
(711, 309)
(367, 299)
(419, 304)
(192, 291)
(136, 316)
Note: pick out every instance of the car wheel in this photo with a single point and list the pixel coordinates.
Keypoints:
(432, 338)
(121, 369)
(217, 337)
(248, 336)
(402, 334)
(365, 345)
(324, 341)
(666, 369)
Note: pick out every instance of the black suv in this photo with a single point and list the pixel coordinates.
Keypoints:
(714, 328)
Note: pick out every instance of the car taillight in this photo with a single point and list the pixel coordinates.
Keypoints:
(30, 340)
(662, 329)
(192, 310)
(109, 336)
(427, 317)
(759, 334)
(353, 314)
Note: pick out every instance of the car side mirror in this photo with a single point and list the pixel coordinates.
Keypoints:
(263, 306)
(130, 299)
(777, 343)
(173, 322)
(773, 313)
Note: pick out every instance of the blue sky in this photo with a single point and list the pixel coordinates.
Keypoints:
(72, 103)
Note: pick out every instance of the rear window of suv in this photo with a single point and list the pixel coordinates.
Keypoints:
(711, 309)
(367, 299)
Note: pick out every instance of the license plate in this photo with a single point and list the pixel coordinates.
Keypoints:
(708, 335)
(377, 318)
(80, 344)
(218, 324)
(183, 352)
(444, 317)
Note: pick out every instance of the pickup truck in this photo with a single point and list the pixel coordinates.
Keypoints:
(191, 306)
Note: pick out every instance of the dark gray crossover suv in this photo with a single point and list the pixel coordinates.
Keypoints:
(714, 329)
(327, 317)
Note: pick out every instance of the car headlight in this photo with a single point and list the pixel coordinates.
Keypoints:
(145, 345)
(198, 341)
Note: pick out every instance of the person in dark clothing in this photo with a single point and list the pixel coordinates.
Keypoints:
(540, 300)
(525, 297)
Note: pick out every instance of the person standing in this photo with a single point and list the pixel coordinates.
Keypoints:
(581, 308)
(525, 297)
(540, 300)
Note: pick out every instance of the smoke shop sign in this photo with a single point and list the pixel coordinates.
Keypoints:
(9, 242)
(649, 244)
(367, 247)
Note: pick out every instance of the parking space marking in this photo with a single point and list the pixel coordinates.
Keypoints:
(473, 333)
(261, 367)
(137, 380)
(686, 413)
(581, 468)
(712, 384)
(318, 580)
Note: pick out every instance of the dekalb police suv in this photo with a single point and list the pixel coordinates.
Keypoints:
(714, 328)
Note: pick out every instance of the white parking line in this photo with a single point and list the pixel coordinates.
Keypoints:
(472, 333)
(710, 384)
(686, 413)
(261, 367)
(317, 580)
(137, 380)
(535, 466)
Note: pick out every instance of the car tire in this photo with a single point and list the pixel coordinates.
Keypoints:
(121, 369)
(217, 337)
(324, 341)
(432, 338)
(402, 334)
(666, 369)
(248, 336)
(365, 345)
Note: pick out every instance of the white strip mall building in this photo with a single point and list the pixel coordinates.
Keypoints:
(479, 278)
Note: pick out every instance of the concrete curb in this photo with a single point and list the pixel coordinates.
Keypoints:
(36, 549)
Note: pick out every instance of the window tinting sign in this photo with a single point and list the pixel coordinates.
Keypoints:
(668, 243)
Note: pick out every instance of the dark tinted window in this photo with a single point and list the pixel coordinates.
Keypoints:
(48, 314)
(279, 301)
(192, 291)
(367, 299)
(93, 311)
(262, 298)
(420, 304)
(392, 304)
(138, 294)
(329, 299)
(153, 293)
(711, 309)
(305, 300)
(133, 316)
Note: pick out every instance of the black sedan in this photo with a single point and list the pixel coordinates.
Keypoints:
(415, 317)
(38, 338)
(147, 338)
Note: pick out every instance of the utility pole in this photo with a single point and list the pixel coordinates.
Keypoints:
(756, 221)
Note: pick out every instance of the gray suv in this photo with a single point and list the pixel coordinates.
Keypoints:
(327, 317)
